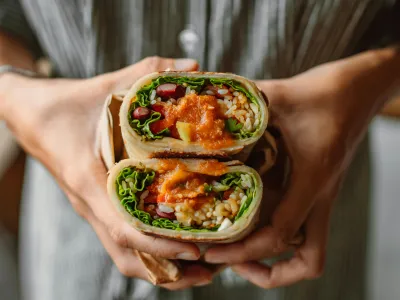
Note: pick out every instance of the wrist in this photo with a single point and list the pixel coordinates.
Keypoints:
(10, 84)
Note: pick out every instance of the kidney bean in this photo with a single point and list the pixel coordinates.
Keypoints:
(170, 90)
(141, 113)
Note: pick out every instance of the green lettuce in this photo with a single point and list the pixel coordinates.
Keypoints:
(143, 99)
(143, 95)
(141, 178)
(235, 179)
(142, 127)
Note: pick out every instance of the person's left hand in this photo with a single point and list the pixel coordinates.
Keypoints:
(322, 115)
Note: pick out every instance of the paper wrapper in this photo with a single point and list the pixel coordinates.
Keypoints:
(112, 150)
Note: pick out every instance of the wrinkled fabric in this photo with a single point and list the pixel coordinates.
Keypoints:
(61, 257)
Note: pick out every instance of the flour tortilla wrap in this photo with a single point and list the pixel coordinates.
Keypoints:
(242, 225)
(110, 147)
(112, 150)
(142, 146)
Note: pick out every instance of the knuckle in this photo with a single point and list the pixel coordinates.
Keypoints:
(156, 249)
(123, 268)
(152, 62)
(316, 270)
(119, 237)
(268, 285)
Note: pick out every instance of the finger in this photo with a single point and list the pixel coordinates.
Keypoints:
(129, 265)
(193, 275)
(125, 77)
(308, 262)
(262, 244)
(295, 206)
(267, 277)
(121, 231)
(124, 258)
(276, 91)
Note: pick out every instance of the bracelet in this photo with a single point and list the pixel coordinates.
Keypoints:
(23, 72)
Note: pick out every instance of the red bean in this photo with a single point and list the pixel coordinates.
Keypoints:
(161, 214)
(141, 113)
(170, 90)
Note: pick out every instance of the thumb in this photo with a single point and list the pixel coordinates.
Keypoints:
(124, 78)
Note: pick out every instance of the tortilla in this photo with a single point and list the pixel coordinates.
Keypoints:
(124, 190)
(143, 141)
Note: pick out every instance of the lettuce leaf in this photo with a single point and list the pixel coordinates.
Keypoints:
(141, 178)
(234, 179)
(142, 127)
(197, 84)
(168, 224)
(143, 95)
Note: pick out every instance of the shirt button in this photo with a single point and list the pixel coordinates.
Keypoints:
(188, 40)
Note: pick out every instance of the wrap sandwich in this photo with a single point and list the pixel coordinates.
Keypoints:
(202, 201)
(192, 114)
(112, 149)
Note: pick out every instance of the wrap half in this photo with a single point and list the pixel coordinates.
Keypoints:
(202, 201)
(192, 114)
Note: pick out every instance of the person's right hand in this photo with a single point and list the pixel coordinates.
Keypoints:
(55, 120)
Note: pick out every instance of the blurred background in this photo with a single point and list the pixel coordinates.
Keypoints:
(384, 242)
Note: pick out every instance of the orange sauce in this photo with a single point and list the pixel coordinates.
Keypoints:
(201, 111)
(212, 167)
(179, 185)
(170, 164)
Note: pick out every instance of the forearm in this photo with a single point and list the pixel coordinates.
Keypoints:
(374, 76)
(12, 52)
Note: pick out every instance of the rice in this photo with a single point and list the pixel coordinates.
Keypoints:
(233, 105)
(238, 106)
(153, 95)
(209, 214)
(209, 92)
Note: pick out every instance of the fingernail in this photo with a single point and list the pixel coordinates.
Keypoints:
(213, 260)
(187, 256)
(182, 64)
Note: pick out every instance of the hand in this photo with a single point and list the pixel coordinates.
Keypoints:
(322, 115)
(55, 120)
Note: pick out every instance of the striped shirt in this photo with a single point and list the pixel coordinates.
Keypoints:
(61, 257)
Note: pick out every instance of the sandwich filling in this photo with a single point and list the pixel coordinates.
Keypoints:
(210, 111)
(175, 198)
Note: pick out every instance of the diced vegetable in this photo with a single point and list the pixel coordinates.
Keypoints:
(233, 125)
(158, 126)
(226, 223)
(208, 188)
(159, 108)
(184, 130)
